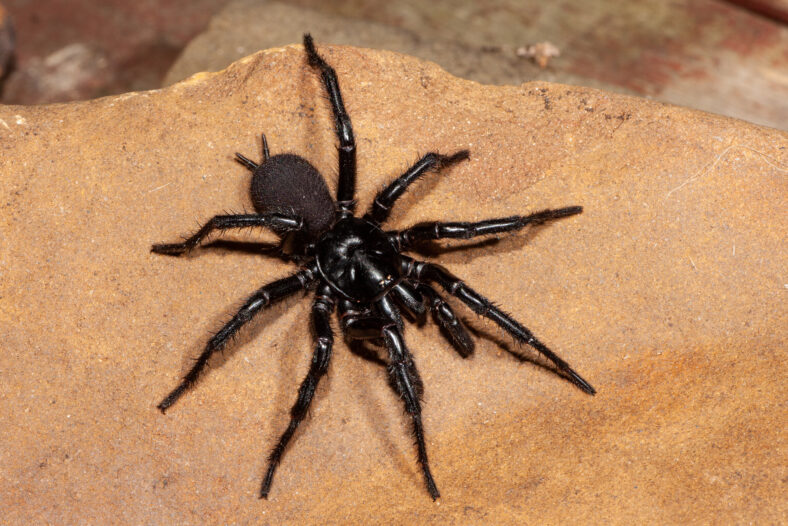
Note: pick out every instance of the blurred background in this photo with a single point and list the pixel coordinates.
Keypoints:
(724, 56)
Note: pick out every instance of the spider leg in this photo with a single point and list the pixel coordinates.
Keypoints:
(405, 381)
(358, 325)
(278, 222)
(444, 316)
(381, 206)
(322, 308)
(403, 376)
(432, 230)
(430, 272)
(346, 188)
(409, 298)
(265, 296)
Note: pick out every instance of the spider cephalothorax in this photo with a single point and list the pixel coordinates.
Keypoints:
(358, 268)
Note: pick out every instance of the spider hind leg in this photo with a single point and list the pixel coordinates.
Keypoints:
(277, 222)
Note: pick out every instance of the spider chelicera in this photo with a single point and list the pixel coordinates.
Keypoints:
(358, 268)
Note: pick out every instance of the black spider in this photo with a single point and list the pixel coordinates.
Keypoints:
(355, 265)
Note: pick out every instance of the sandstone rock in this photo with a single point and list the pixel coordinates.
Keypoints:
(667, 293)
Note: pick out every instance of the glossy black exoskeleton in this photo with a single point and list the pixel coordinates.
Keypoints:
(358, 260)
(358, 268)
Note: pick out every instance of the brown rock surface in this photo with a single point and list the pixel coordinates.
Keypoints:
(667, 293)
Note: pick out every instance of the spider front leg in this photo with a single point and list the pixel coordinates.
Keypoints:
(381, 206)
(265, 296)
(406, 383)
(433, 230)
(346, 187)
(444, 316)
(277, 222)
(430, 272)
(322, 308)
(416, 298)
(403, 376)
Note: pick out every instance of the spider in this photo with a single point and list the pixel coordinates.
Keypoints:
(357, 268)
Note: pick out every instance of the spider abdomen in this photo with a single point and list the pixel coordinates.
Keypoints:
(358, 261)
(289, 184)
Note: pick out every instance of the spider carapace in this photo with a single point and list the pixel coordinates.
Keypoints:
(357, 269)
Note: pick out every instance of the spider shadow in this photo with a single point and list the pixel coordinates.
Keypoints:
(256, 248)
(520, 352)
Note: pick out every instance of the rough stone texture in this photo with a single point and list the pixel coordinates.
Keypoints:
(667, 293)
